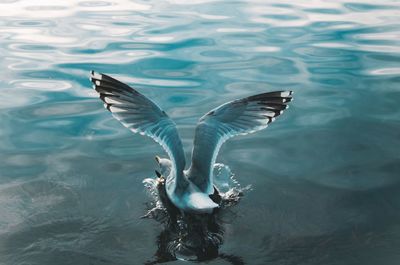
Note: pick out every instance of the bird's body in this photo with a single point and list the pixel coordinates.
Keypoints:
(190, 190)
(189, 198)
(185, 195)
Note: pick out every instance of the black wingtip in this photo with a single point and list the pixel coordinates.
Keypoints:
(94, 76)
(91, 76)
(158, 173)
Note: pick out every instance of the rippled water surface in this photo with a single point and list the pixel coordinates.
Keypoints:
(325, 175)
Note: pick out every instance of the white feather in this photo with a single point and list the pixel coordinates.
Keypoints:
(238, 117)
(143, 116)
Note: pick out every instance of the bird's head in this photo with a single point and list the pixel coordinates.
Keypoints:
(165, 165)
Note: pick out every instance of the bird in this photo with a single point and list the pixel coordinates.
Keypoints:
(190, 190)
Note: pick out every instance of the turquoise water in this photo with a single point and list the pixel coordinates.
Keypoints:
(325, 175)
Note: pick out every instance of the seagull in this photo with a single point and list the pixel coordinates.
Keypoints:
(190, 190)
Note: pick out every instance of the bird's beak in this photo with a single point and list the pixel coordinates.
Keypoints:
(157, 158)
(160, 179)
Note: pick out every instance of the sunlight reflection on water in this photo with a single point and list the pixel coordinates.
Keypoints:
(325, 176)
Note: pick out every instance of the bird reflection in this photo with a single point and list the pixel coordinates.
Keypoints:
(190, 236)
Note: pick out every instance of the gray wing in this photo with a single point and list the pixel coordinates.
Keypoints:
(238, 117)
(140, 115)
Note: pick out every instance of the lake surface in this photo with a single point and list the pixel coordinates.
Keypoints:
(325, 175)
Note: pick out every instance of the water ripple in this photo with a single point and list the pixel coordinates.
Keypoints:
(70, 175)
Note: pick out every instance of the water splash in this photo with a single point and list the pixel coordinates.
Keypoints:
(194, 237)
(230, 191)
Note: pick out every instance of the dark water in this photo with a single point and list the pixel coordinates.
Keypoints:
(325, 176)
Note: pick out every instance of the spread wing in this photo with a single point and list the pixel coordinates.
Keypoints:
(238, 117)
(140, 115)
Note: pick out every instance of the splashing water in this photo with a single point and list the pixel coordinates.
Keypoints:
(230, 191)
(194, 237)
